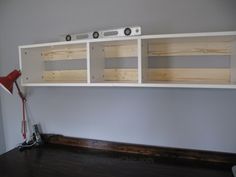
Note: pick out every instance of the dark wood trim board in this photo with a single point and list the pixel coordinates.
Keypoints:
(154, 151)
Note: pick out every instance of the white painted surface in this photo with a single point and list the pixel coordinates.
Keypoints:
(2, 140)
(165, 85)
(233, 63)
(139, 61)
(186, 118)
(156, 36)
(88, 63)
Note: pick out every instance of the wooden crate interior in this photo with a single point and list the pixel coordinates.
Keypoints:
(32, 65)
(114, 61)
(204, 60)
(63, 63)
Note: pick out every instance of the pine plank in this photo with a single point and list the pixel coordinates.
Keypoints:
(189, 48)
(68, 53)
(190, 74)
(118, 51)
(120, 74)
(65, 75)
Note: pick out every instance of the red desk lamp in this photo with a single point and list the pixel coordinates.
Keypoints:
(7, 83)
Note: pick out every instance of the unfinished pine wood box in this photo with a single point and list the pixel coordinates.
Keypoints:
(114, 61)
(54, 64)
(201, 60)
(189, 60)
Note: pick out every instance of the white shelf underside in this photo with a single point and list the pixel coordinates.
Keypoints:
(160, 85)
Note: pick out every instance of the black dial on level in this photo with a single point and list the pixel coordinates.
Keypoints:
(68, 37)
(127, 31)
(95, 35)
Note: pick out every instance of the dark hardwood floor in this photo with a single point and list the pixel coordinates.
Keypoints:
(63, 161)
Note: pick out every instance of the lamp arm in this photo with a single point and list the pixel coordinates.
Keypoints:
(20, 92)
(23, 99)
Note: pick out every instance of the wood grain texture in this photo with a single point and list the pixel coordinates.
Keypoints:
(65, 75)
(205, 75)
(120, 74)
(81, 75)
(64, 161)
(184, 75)
(175, 153)
(154, 49)
(67, 53)
(189, 49)
(118, 51)
(70, 53)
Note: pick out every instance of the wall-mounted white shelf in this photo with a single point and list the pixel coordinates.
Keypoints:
(190, 60)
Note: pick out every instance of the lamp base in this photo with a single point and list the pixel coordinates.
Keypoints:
(27, 145)
(234, 170)
(34, 142)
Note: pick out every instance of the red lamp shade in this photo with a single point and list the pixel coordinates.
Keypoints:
(8, 81)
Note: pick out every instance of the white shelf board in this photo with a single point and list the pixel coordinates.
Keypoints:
(157, 85)
(178, 35)
(216, 86)
(184, 35)
(80, 42)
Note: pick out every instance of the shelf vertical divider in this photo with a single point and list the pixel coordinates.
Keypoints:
(144, 56)
(88, 63)
(20, 65)
(139, 61)
(233, 64)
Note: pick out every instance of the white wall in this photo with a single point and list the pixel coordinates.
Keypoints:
(2, 141)
(186, 118)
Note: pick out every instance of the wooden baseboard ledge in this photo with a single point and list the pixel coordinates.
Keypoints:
(154, 151)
